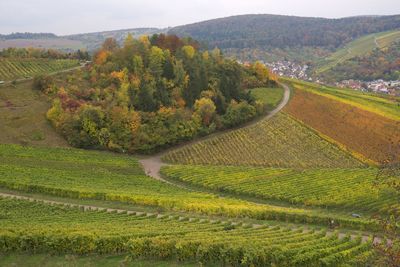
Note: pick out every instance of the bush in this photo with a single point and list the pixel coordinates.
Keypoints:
(42, 82)
(238, 113)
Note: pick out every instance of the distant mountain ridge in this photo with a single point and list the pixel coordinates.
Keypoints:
(266, 31)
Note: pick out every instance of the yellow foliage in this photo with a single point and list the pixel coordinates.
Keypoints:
(189, 51)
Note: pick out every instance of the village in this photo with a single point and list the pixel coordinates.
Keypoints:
(301, 71)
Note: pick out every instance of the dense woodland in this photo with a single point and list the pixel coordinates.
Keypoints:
(270, 31)
(379, 64)
(153, 92)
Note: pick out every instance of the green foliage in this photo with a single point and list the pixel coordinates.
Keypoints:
(238, 113)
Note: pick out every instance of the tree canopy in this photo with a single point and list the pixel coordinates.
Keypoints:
(154, 92)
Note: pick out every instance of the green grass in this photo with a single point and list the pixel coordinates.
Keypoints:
(344, 189)
(270, 97)
(11, 69)
(47, 260)
(23, 117)
(63, 230)
(359, 47)
(385, 106)
(277, 142)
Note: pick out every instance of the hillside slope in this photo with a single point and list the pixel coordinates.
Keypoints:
(359, 47)
(280, 31)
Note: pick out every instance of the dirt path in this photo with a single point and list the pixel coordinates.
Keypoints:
(153, 164)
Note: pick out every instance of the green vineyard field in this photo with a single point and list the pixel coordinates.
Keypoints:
(345, 189)
(59, 229)
(278, 142)
(11, 69)
(81, 174)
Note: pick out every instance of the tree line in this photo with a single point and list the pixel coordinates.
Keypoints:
(30, 52)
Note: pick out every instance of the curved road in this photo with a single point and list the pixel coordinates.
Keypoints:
(153, 164)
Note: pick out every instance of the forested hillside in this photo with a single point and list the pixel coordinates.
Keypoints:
(284, 31)
(379, 64)
(152, 93)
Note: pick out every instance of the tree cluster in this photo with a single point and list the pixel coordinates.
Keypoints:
(154, 92)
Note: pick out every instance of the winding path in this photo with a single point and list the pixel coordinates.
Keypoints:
(152, 165)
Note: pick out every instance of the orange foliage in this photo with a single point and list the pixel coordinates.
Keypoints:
(361, 131)
(101, 57)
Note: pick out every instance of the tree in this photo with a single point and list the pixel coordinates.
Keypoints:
(156, 62)
(110, 44)
(205, 108)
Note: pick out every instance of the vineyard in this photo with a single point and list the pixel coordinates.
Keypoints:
(364, 132)
(59, 229)
(82, 174)
(11, 69)
(386, 106)
(345, 189)
(278, 142)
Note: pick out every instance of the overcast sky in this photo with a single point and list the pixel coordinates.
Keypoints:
(79, 16)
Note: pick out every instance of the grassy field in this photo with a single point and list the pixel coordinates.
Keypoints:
(63, 230)
(48, 260)
(383, 105)
(345, 189)
(23, 117)
(270, 97)
(359, 47)
(11, 69)
(278, 142)
(367, 134)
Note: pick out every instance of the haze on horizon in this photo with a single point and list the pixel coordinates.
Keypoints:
(76, 16)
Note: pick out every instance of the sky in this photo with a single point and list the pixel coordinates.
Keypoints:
(80, 16)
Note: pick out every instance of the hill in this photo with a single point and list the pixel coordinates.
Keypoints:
(269, 31)
(360, 47)
(83, 41)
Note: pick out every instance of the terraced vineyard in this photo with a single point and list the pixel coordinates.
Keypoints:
(366, 133)
(278, 142)
(345, 189)
(60, 229)
(11, 69)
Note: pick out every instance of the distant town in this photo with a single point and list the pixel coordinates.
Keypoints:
(301, 72)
